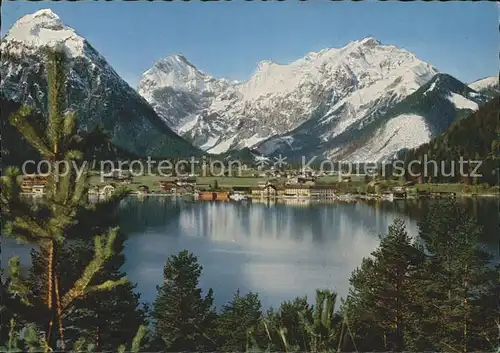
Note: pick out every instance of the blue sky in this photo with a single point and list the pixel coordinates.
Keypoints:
(229, 39)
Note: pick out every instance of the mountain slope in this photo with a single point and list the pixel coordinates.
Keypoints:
(475, 138)
(422, 115)
(413, 121)
(96, 91)
(329, 91)
(488, 85)
(96, 145)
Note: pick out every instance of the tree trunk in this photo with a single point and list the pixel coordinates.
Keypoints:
(399, 338)
(50, 272)
(466, 326)
(59, 312)
(498, 318)
(97, 337)
(50, 289)
(466, 314)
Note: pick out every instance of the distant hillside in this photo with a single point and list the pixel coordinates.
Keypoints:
(475, 137)
(245, 155)
(15, 149)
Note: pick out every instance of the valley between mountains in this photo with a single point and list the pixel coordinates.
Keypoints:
(363, 102)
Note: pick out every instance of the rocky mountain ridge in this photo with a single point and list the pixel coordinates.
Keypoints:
(98, 94)
(365, 101)
(348, 84)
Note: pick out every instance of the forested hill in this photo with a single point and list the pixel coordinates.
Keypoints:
(475, 138)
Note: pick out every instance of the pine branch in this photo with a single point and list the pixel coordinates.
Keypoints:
(63, 188)
(9, 191)
(56, 98)
(136, 342)
(102, 252)
(106, 286)
(28, 228)
(20, 122)
(27, 339)
(80, 187)
(69, 125)
(18, 285)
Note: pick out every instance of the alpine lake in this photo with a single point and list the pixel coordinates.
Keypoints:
(279, 249)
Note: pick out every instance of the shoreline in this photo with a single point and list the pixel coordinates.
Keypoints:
(340, 197)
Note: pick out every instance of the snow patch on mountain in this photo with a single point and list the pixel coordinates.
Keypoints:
(432, 87)
(222, 147)
(485, 83)
(461, 102)
(402, 131)
(252, 141)
(188, 125)
(209, 143)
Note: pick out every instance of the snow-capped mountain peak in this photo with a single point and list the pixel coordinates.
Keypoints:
(43, 29)
(100, 95)
(41, 15)
(176, 72)
(344, 85)
(176, 62)
(370, 40)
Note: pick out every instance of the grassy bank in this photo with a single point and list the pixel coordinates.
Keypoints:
(459, 189)
(357, 185)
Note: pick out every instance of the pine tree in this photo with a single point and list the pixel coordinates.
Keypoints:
(239, 323)
(10, 307)
(183, 318)
(107, 319)
(5, 314)
(488, 315)
(379, 304)
(111, 317)
(46, 224)
(285, 327)
(322, 324)
(28, 339)
(458, 278)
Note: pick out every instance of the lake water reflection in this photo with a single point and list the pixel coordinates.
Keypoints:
(278, 250)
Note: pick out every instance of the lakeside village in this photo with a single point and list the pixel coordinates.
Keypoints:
(270, 185)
